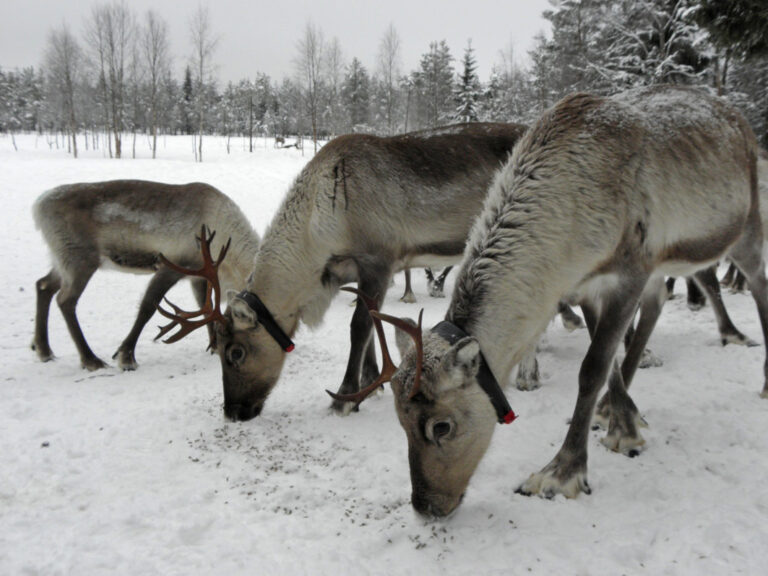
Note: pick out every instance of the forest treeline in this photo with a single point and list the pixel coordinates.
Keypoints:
(116, 77)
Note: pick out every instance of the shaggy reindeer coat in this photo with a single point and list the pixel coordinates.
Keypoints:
(600, 199)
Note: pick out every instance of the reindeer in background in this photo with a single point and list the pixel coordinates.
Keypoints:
(600, 199)
(127, 224)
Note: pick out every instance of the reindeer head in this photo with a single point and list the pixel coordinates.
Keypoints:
(251, 356)
(443, 408)
(249, 341)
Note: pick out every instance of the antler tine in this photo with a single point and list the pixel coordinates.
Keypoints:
(388, 367)
(415, 333)
(211, 310)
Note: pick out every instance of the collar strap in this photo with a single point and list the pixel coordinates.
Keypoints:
(266, 319)
(452, 333)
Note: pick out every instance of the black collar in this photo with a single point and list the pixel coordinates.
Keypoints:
(452, 333)
(265, 319)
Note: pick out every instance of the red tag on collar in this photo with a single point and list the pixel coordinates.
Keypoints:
(509, 417)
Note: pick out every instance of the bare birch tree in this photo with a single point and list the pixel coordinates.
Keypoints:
(154, 47)
(389, 72)
(309, 66)
(334, 70)
(203, 45)
(63, 62)
(110, 35)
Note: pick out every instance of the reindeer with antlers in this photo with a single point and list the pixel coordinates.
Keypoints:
(127, 224)
(363, 208)
(600, 199)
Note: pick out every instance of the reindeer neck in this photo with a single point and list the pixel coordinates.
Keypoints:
(515, 270)
(287, 270)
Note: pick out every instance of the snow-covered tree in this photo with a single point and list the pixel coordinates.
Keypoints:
(63, 64)
(388, 73)
(356, 97)
(433, 86)
(467, 88)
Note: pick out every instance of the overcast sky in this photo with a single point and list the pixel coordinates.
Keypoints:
(261, 36)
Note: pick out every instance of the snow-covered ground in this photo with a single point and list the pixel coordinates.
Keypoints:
(139, 473)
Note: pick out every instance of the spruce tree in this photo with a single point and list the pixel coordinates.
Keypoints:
(468, 88)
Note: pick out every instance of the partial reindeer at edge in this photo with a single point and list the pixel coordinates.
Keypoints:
(127, 224)
(600, 199)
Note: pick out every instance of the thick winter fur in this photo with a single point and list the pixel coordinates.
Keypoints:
(600, 199)
(363, 208)
(125, 224)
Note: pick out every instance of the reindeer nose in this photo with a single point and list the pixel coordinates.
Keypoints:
(429, 509)
(242, 412)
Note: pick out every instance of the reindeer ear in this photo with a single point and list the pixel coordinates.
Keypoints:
(243, 316)
(461, 363)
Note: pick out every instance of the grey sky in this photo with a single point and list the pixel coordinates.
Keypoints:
(261, 36)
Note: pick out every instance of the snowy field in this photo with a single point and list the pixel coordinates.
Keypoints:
(139, 473)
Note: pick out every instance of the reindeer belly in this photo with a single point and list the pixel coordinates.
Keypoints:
(135, 262)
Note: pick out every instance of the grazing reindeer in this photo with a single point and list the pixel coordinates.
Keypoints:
(600, 199)
(127, 224)
(363, 208)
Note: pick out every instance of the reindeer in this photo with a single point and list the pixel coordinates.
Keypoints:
(127, 224)
(363, 208)
(600, 199)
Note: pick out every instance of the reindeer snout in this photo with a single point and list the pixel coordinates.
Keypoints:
(435, 507)
(242, 412)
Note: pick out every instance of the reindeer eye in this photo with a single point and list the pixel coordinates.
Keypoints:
(235, 354)
(439, 430)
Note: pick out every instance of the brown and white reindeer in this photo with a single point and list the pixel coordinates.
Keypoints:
(600, 199)
(362, 209)
(127, 224)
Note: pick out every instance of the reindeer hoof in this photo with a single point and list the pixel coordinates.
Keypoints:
(44, 354)
(125, 360)
(650, 360)
(628, 445)
(93, 364)
(527, 384)
(343, 408)
(409, 298)
(739, 339)
(547, 485)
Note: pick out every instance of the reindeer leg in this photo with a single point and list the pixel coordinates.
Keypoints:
(624, 418)
(571, 320)
(46, 287)
(567, 472)
(671, 287)
(373, 280)
(748, 257)
(528, 372)
(67, 300)
(727, 280)
(729, 334)
(161, 282)
(408, 296)
(437, 286)
(696, 299)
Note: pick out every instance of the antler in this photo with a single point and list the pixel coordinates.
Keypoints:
(211, 310)
(388, 368)
(415, 333)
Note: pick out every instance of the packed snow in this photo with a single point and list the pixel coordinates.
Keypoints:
(139, 473)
